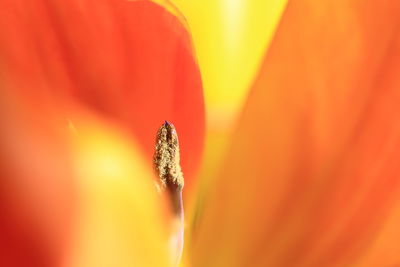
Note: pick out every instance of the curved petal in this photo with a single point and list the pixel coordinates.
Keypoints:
(73, 195)
(131, 61)
(312, 176)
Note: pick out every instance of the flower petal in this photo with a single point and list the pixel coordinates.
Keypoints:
(76, 194)
(129, 60)
(312, 174)
(37, 193)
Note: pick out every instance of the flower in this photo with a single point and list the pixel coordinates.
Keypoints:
(310, 176)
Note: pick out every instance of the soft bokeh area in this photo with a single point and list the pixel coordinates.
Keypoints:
(287, 114)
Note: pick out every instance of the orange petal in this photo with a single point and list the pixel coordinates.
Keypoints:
(312, 175)
(129, 60)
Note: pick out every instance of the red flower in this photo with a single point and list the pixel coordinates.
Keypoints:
(310, 176)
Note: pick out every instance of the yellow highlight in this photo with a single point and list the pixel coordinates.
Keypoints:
(230, 38)
(119, 222)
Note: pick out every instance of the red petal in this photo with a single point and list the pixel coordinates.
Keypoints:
(313, 171)
(37, 192)
(130, 60)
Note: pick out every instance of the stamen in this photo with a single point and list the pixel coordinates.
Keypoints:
(166, 157)
(166, 162)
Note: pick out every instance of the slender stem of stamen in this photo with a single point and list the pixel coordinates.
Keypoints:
(166, 162)
(177, 236)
